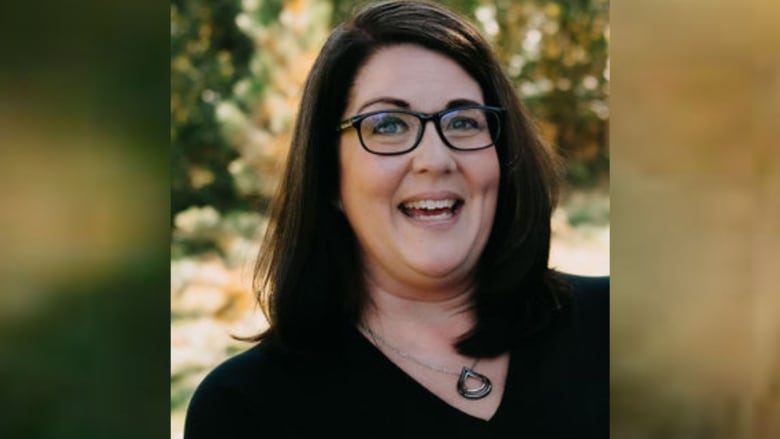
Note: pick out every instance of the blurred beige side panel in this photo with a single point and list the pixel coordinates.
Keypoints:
(695, 219)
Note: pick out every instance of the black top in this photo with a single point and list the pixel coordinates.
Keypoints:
(557, 387)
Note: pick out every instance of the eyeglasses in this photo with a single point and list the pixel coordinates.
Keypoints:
(394, 132)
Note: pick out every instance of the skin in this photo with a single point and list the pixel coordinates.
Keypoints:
(419, 270)
(417, 258)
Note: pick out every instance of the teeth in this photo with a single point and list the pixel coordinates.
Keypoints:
(430, 204)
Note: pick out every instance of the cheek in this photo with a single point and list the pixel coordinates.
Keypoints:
(349, 172)
(487, 173)
(492, 199)
(366, 178)
(488, 180)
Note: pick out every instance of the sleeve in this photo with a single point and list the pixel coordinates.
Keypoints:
(593, 331)
(218, 409)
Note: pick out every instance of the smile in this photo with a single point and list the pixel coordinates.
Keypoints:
(431, 210)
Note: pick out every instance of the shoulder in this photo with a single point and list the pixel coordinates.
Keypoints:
(588, 293)
(589, 305)
(586, 284)
(581, 324)
(573, 360)
(238, 392)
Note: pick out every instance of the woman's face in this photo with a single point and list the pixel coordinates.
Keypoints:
(422, 218)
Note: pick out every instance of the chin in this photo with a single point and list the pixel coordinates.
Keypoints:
(438, 269)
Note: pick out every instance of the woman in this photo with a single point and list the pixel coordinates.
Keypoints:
(405, 271)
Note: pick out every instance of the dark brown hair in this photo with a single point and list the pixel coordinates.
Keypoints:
(308, 274)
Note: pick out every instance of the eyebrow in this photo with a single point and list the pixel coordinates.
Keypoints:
(403, 104)
(460, 103)
(384, 100)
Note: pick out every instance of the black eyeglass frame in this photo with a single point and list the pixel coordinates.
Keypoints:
(355, 122)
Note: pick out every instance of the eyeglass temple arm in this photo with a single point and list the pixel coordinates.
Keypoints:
(346, 124)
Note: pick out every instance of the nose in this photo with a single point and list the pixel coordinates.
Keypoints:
(432, 154)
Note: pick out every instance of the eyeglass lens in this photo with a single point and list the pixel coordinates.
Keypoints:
(392, 132)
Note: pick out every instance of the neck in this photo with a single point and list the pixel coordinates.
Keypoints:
(440, 318)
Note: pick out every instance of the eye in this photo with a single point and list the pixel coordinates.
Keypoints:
(386, 125)
(463, 123)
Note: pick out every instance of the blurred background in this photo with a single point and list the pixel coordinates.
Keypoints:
(237, 70)
(695, 197)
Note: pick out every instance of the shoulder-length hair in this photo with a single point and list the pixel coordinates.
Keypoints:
(308, 275)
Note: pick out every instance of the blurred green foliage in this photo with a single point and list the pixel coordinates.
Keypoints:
(237, 69)
(84, 345)
(208, 55)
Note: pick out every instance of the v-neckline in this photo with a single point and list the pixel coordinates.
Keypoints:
(380, 357)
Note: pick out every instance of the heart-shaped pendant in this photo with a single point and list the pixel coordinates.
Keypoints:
(478, 392)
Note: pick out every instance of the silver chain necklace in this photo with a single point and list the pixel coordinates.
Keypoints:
(478, 392)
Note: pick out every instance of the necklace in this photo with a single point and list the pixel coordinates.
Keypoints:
(478, 392)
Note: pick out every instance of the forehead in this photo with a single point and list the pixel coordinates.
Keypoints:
(424, 78)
